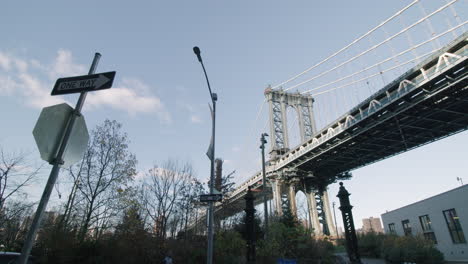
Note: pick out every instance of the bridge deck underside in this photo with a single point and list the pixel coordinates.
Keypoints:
(437, 110)
(235, 206)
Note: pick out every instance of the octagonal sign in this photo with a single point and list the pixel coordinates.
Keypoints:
(48, 133)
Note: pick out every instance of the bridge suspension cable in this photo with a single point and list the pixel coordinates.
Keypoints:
(373, 47)
(349, 45)
(375, 74)
(390, 58)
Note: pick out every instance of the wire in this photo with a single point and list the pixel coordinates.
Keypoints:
(349, 45)
(390, 58)
(252, 131)
(374, 47)
(376, 74)
(429, 25)
(457, 18)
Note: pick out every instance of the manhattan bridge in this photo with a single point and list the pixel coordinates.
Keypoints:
(397, 87)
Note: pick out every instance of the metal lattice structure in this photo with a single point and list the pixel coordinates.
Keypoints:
(321, 213)
(279, 101)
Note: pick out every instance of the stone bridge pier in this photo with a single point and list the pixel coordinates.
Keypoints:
(318, 204)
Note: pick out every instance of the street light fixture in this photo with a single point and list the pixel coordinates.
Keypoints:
(211, 155)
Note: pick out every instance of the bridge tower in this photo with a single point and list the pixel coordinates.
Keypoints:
(286, 183)
(278, 102)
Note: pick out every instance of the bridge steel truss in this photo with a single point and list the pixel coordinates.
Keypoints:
(427, 103)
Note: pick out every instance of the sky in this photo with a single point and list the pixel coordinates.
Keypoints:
(160, 94)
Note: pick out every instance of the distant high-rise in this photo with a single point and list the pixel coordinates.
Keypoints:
(372, 224)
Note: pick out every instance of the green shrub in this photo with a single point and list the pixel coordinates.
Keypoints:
(229, 247)
(399, 249)
(370, 244)
(411, 249)
(292, 242)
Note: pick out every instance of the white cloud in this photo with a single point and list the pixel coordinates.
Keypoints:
(136, 85)
(21, 65)
(126, 99)
(194, 115)
(195, 119)
(63, 66)
(140, 175)
(37, 94)
(7, 85)
(131, 95)
(5, 61)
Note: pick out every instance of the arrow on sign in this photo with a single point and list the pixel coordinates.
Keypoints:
(85, 83)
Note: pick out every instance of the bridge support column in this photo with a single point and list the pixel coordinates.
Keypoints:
(276, 187)
(314, 218)
(292, 199)
(328, 214)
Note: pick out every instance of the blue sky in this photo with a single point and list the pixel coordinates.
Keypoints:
(160, 95)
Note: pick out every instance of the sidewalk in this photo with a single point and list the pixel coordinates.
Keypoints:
(343, 258)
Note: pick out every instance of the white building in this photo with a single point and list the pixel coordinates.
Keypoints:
(442, 218)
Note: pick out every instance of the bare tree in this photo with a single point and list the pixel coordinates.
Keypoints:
(16, 173)
(162, 190)
(103, 177)
(12, 219)
(225, 184)
(189, 201)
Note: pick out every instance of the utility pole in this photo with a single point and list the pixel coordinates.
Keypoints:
(211, 155)
(336, 226)
(265, 205)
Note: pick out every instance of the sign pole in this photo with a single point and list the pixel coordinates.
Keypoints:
(26, 250)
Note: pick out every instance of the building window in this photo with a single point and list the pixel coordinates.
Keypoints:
(430, 236)
(406, 227)
(391, 228)
(454, 226)
(427, 228)
(425, 223)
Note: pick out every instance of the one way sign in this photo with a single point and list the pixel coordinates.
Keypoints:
(85, 83)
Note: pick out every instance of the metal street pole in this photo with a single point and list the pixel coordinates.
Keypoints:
(211, 210)
(265, 205)
(28, 243)
(214, 98)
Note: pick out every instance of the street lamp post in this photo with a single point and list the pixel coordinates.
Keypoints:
(265, 205)
(211, 155)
